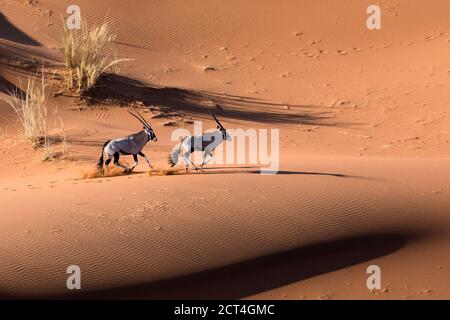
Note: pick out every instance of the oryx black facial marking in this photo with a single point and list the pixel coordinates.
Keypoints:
(129, 145)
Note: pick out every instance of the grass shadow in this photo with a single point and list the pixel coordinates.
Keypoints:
(124, 91)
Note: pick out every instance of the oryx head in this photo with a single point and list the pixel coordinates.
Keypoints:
(147, 127)
(221, 128)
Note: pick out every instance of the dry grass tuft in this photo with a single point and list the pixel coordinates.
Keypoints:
(39, 124)
(31, 109)
(86, 57)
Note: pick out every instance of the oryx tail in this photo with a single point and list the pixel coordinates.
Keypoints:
(100, 161)
(174, 155)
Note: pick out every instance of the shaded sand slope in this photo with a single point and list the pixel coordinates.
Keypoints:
(153, 228)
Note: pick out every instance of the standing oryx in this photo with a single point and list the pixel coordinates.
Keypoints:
(132, 144)
(206, 143)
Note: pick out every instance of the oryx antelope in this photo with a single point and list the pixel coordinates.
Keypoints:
(129, 145)
(206, 143)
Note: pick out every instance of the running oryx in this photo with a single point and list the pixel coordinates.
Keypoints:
(132, 144)
(206, 143)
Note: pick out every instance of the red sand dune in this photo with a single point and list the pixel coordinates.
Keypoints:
(364, 151)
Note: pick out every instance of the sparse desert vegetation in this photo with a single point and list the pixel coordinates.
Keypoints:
(41, 126)
(31, 109)
(86, 56)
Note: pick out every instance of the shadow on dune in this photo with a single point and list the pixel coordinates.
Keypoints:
(257, 170)
(280, 172)
(234, 170)
(25, 59)
(7, 87)
(258, 275)
(9, 32)
(22, 55)
(121, 90)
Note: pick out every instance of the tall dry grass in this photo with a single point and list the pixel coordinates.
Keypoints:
(42, 127)
(86, 56)
(31, 108)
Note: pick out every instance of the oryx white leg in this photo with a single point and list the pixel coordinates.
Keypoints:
(187, 161)
(146, 159)
(207, 156)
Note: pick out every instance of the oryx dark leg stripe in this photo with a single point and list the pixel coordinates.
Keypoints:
(146, 159)
(116, 162)
(135, 162)
(116, 158)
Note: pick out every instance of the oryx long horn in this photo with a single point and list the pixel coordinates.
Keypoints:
(138, 118)
(220, 125)
(142, 118)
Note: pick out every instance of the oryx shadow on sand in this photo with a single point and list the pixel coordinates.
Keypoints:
(258, 170)
(223, 170)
